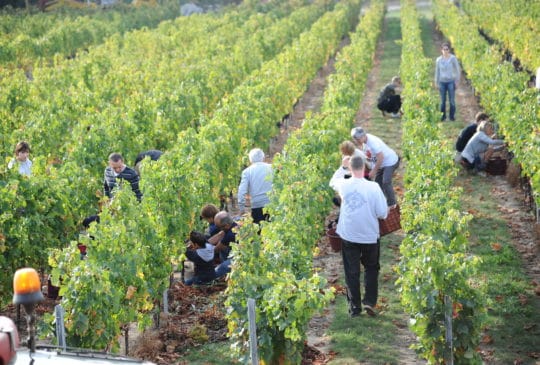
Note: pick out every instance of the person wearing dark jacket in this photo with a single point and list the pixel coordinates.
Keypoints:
(118, 170)
(389, 101)
(201, 253)
(153, 154)
(466, 133)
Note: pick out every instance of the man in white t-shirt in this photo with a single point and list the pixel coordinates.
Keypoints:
(362, 204)
(386, 161)
(256, 182)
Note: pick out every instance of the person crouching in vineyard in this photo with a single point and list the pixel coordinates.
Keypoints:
(208, 212)
(22, 151)
(117, 169)
(201, 253)
(257, 182)
(362, 205)
(389, 100)
(466, 133)
(223, 239)
(480, 147)
(386, 161)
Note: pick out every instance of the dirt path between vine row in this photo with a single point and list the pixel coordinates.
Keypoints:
(327, 262)
(509, 198)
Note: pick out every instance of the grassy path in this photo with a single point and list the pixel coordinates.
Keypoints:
(501, 225)
(512, 333)
(384, 339)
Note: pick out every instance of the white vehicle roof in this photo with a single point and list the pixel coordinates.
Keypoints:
(55, 356)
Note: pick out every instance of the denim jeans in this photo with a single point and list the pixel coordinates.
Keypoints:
(223, 268)
(450, 89)
(384, 179)
(353, 255)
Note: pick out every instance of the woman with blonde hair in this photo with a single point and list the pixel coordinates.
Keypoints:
(480, 147)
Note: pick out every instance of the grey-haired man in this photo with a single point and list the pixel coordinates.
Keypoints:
(386, 161)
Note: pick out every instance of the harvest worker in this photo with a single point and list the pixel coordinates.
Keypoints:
(257, 182)
(447, 74)
(362, 204)
(386, 162)
(389, 100)
(153, 154)
(208, 212)
(22, 151)
(118, 170)
(201, 253)
(477, 151)
(222, 240)
(466, 133)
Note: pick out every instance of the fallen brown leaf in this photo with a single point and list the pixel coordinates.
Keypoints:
(486, 340)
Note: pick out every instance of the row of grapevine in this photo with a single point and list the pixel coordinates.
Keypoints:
(78, 180)
(17, 21)
(137, 241)
(435, 268)
(147, 109)
(518, 32)
(97, 85)
(67, 36)
(286, 299)
(504, 92)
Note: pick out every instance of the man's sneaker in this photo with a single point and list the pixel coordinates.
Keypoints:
(395, 115)
(355, 312)
(370, 310)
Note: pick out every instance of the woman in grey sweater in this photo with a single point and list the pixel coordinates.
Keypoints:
(447, 73)
(478, 151)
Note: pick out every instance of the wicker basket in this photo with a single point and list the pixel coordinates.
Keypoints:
(333, 239)
(391, 223)
(496, 166)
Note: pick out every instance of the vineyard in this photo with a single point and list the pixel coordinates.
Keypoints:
(207, 88)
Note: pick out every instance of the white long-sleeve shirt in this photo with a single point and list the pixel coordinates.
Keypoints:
(362, 204)
(257, 182)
